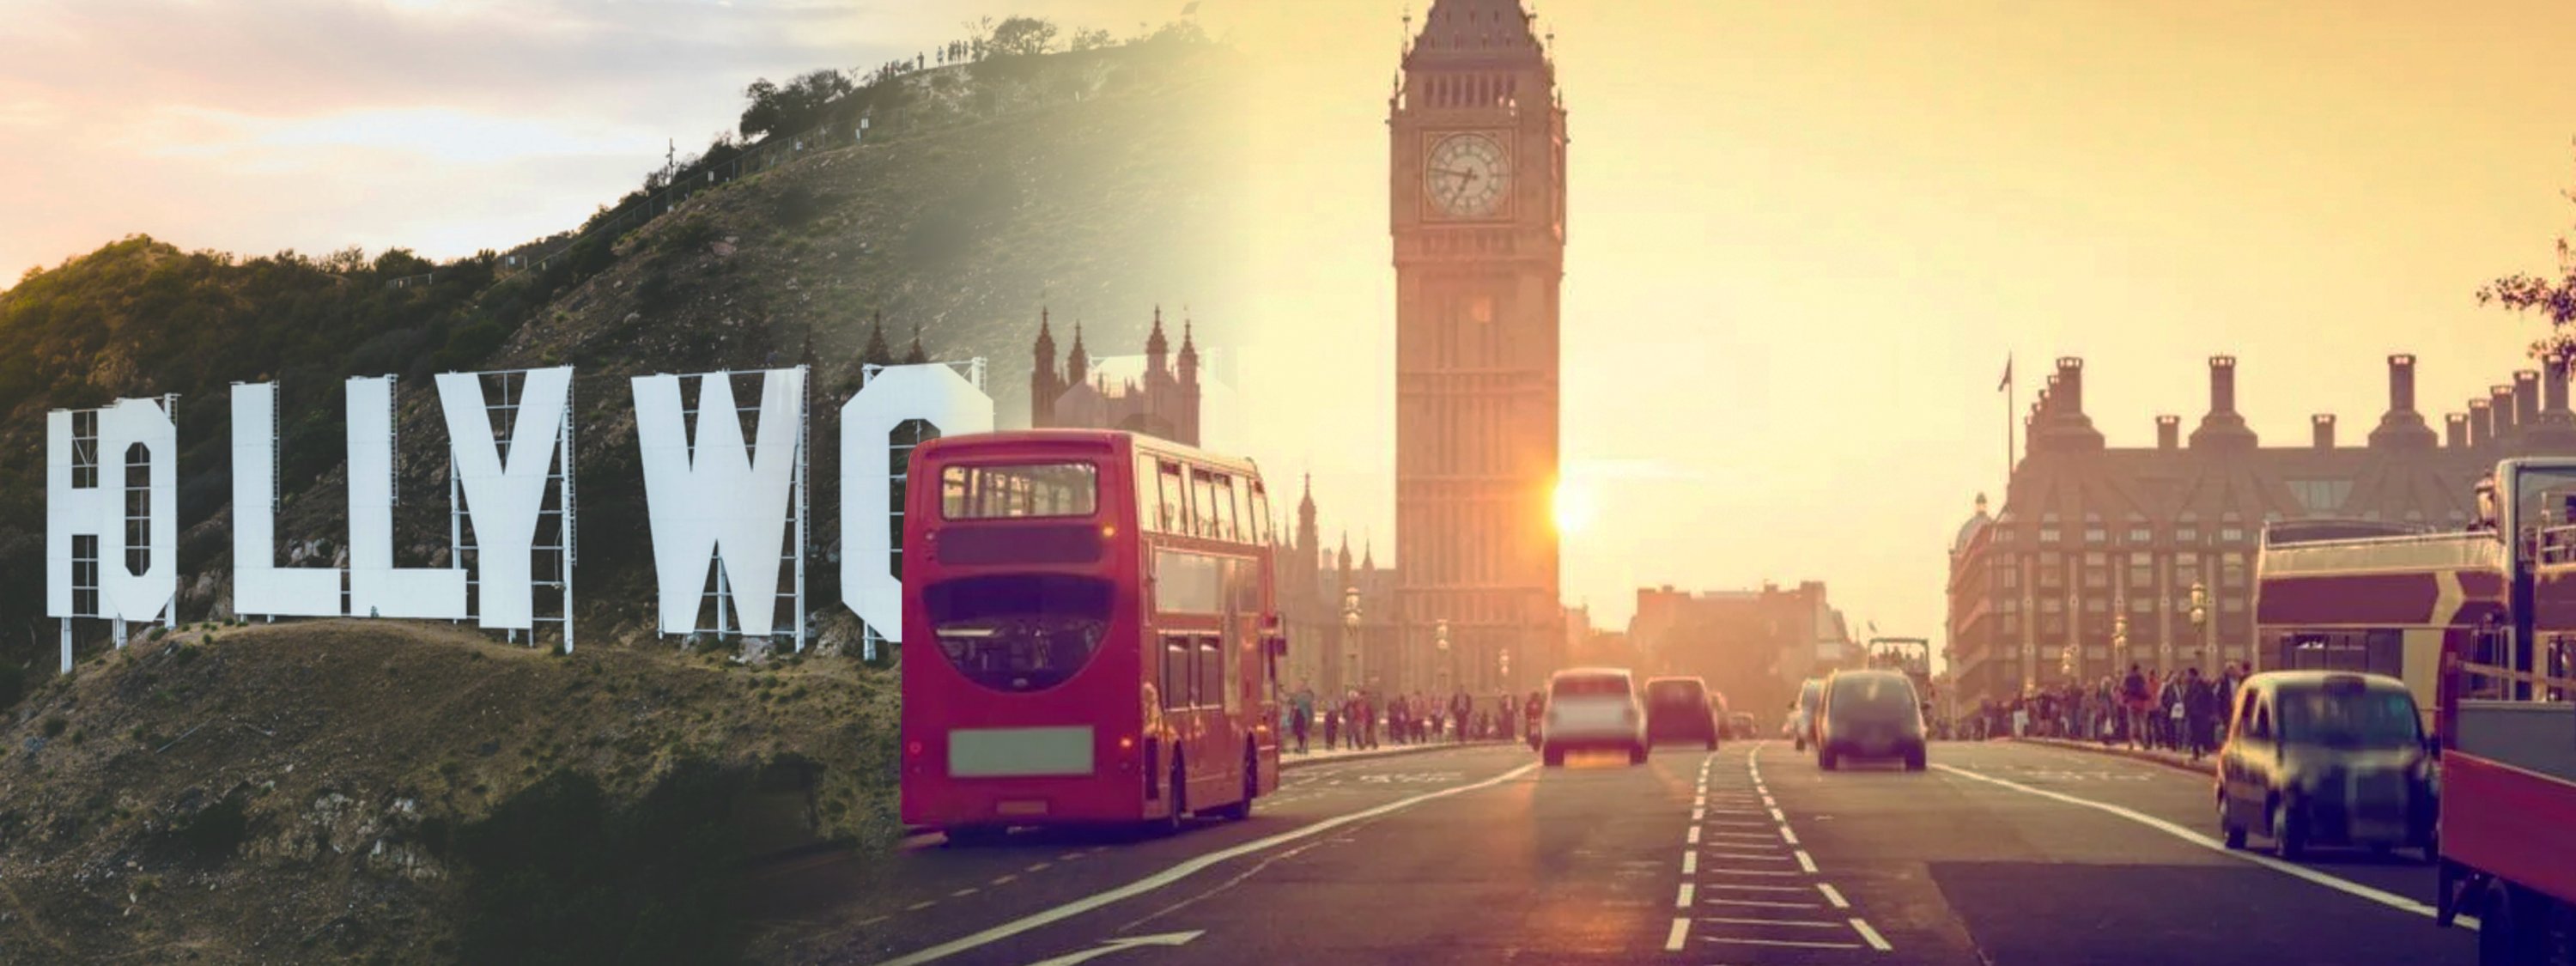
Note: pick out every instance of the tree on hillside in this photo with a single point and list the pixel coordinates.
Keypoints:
(795, 107)
(1092, 38)
(2557, 299)
(1023, 36)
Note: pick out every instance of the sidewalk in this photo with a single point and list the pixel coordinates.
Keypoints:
(2172, 759)
(1316, 755)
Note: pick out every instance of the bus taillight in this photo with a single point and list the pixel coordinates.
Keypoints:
(912, 748)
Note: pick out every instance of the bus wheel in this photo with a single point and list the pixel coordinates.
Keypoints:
(1251, 786)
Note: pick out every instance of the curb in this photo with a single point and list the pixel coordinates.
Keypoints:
(2206, 766)
(1287, 763)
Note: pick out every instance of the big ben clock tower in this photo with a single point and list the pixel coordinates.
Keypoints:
(1478, 190)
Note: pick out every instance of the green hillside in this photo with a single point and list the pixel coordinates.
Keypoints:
(354, 791)
(1077, 181)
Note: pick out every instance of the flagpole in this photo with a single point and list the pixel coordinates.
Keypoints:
(2008, 424)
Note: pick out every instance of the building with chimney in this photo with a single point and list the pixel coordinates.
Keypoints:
(2089, 564)
(1162, 402)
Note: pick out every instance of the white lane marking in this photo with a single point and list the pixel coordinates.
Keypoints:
(1700, 802)
(1807, 923)
(1185, 870)
(1749, 887)
(1861, 926)
(1772, 856)
(1832, 895)
(1699, 814)
(1693, 837)
(1788, 836)
(1768, 803)
(2339, 884)
(1796, 943)
(1762, 903)
(1724, 823)
(864, 923)
(918, 906)
(1777, 817)
(1690, 863)
(1757, 836)
(1805, 862)
(1753, 872)
(963, 893)
(1002, 880)
(1683, 901)
(1068, 857)
(1681, 933)
(1041, 867)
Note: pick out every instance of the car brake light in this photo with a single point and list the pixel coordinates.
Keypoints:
(1126, 743)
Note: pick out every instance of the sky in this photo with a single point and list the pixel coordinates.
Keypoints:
(1804, 238)
(446, 126)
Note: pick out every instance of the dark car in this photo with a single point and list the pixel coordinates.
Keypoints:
(2327, 758)
(1869, 714)
(1680, 709)
(1741, 723)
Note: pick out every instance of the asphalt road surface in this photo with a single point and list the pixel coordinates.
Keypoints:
(2001, 853)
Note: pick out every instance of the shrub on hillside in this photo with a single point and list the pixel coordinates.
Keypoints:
(559, 874)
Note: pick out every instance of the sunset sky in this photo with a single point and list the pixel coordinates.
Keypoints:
(1804, 236)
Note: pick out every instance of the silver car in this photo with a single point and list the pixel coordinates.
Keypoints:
(1592, 708)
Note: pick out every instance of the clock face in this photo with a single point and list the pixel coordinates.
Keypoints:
(1468, 175)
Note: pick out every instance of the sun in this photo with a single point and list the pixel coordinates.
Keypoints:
(1573, 507)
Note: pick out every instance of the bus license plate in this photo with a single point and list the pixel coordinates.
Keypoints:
(1021, 808)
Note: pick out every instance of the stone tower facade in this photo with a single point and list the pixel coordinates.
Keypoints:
(1477, 191)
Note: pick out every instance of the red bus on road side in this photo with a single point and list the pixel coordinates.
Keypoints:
(1089, 633)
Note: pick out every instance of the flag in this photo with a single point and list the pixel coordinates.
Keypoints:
(2007, 381)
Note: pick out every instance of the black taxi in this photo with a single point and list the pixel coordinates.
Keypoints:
(2327, 758)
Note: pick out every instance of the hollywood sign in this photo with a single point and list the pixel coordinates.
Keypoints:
(717, 504)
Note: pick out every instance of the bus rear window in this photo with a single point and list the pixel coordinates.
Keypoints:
(1590, 686)
(1021, 632)
(1018, 491)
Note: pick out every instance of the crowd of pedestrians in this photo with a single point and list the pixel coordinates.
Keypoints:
(2184, 712)
(1362, 719)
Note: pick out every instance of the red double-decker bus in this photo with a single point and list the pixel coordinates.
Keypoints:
(1089, 633)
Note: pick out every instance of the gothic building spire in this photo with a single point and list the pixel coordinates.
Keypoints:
(1077, 364)
(1158, 348)
(1045, 384)
(916, 356)
(1189, 353)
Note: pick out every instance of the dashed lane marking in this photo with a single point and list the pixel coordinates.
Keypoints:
(1188, 868)
(1769, 856)
(1674, 940)
(1792, 943)
(1699, 814)
(1690, 863)
(963, 893)
(1805, 862)
(1788, 836)
(1876, 941)
(1693, 837)
(1799, 923)
(1757, 836)
(1832, 895)
(918, 906)
(2339, 884)
(1763, 903)
(1683, 900)
(1753, 872)
(1750, 887)
(1041, 867)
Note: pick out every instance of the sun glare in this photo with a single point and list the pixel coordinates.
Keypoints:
(1573, 508)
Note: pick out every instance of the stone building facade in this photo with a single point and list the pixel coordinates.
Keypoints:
(2089, 564)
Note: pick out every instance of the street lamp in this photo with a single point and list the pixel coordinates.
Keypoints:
(1350, 638)
(2199, 622)
(2119, 632)
(1448, 663)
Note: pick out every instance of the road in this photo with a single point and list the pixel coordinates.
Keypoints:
(2001, 853)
